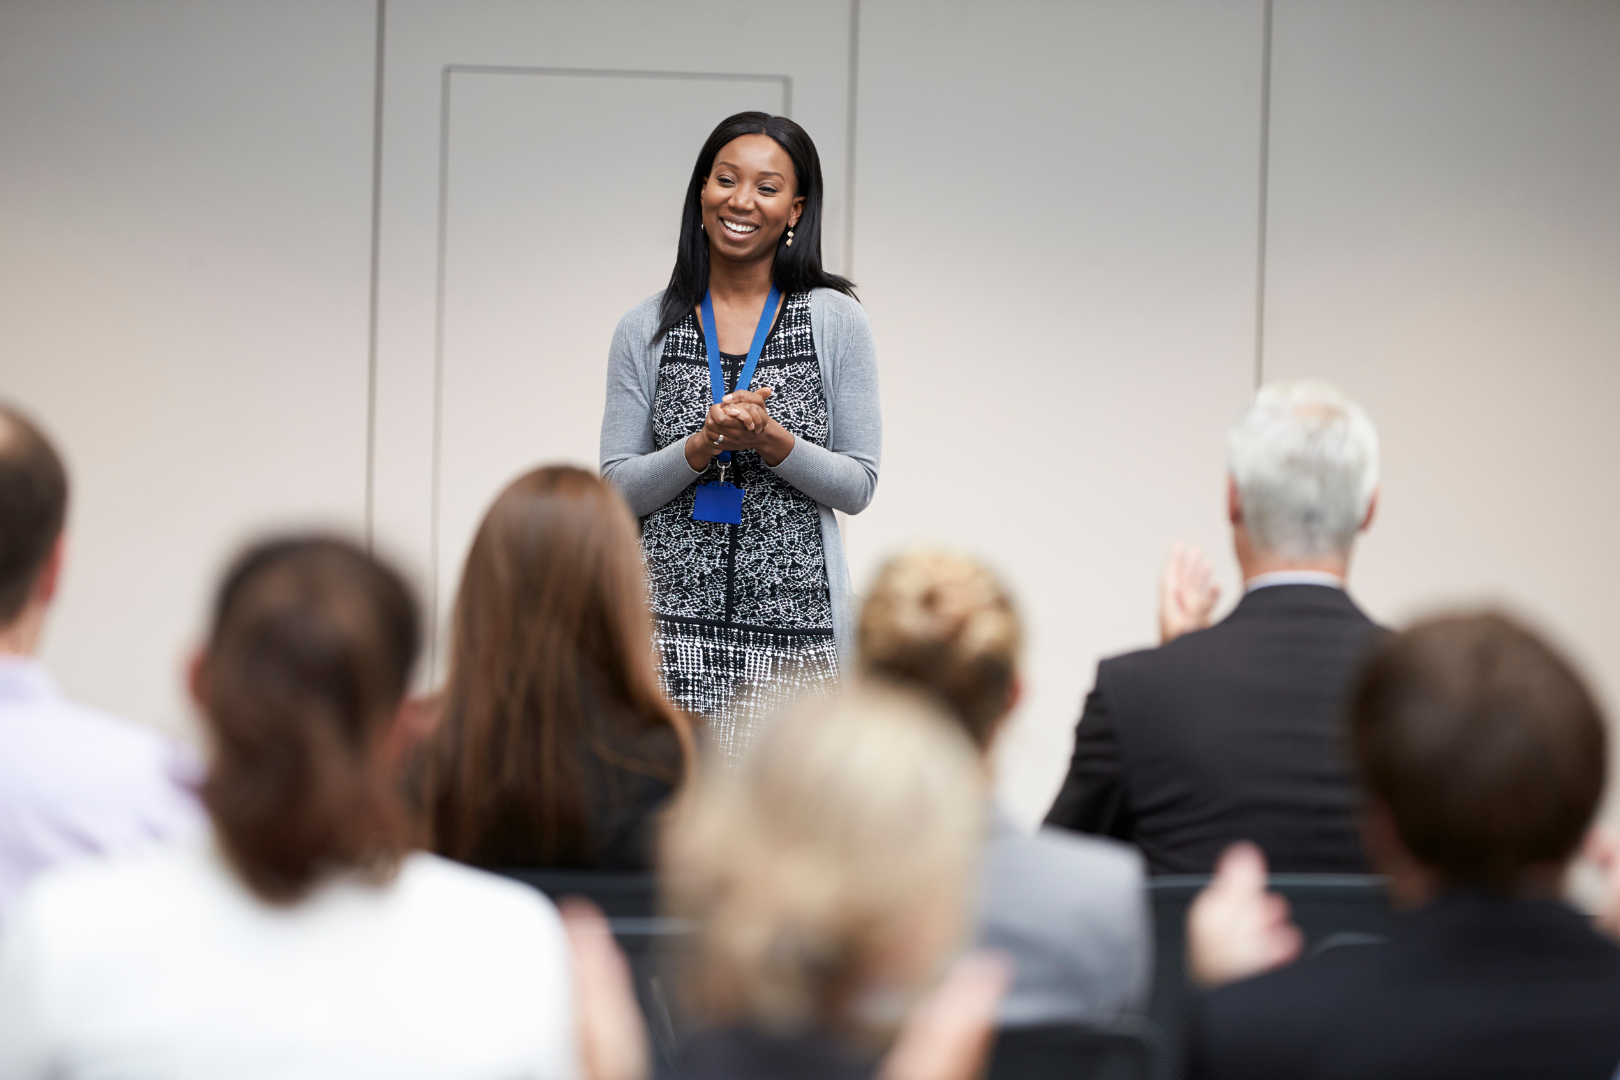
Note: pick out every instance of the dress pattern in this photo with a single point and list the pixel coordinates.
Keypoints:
(743, 612)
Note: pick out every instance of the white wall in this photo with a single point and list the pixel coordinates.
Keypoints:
(1056, 233)
(184, 275)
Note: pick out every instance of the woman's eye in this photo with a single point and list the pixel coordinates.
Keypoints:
(766, 189)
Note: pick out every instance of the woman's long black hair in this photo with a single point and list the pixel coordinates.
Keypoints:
(797, 268)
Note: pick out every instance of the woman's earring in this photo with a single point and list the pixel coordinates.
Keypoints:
(790, 236)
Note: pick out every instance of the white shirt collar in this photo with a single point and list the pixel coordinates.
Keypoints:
(1293, 577)
(23, 678)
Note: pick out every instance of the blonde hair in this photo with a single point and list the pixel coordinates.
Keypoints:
(848, 832)
(941, 621)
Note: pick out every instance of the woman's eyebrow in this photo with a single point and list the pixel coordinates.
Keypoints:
(734, 165)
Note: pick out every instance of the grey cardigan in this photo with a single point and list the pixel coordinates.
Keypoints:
(840, 476)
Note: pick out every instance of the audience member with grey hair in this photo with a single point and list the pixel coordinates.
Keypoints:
(1231, 731)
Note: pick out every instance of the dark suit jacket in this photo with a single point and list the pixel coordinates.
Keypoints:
(1473, 986)
(1230, 733)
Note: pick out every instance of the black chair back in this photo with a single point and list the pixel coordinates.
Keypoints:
(1330, 909)
(650, 942)
(620, 896)
(1074, 1052)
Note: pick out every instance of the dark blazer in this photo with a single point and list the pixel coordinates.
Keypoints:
(1230, 733)
(1473, 986)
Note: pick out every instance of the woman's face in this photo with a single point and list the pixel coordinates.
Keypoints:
(749, 198)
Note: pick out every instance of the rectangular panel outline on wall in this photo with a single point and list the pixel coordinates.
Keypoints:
(445, 82)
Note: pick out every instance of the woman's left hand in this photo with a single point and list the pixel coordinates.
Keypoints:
(740, 422)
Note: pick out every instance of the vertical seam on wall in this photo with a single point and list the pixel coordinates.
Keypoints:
(1265, 182)
(438, 368)
(376, 248)
(849, 136)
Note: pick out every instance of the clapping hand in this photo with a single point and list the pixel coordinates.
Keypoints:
(739, 421)
(1603, 848)
(1186, 594)
(949, 1034)
(1235, 928)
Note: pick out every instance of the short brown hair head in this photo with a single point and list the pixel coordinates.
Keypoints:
(943, 623)
(33, 507)
(1485, 745)
(308, 659)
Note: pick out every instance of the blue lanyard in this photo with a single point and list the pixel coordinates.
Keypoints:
(711, 338)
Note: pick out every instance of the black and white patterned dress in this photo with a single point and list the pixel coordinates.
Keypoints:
(744, 613)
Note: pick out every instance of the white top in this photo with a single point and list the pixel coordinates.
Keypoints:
(1293, 577)
(163, 965)
(75, 782)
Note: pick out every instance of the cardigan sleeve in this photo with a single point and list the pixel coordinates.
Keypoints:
(646, 477)
(843, 474)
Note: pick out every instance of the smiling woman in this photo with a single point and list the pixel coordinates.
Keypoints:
(742, 410)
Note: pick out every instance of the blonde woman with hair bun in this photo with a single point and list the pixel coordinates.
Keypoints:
(1071, 911)
(831, 878)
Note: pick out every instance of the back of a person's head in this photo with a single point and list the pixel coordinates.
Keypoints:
(944, 623)
(1483, 743)
(307, 662)
(33, 507)
(551, 660)
(1305, 461)
(831, 866)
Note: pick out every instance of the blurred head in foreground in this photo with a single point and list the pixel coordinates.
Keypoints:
(300, 684)
(553, 719)
(1303, 466)
(943, 623)
(1482, 755)
(33, 509)
(830, 871)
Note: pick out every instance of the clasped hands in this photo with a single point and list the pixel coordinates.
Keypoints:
(739, 422)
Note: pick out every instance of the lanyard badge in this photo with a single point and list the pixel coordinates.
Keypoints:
(722, 503)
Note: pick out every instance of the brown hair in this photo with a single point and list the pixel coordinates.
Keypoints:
(33, 507)
(551, 673)
(1485, 745)
(307, 662)
(944, 623)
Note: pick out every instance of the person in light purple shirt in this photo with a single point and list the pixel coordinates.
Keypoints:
(74, 782)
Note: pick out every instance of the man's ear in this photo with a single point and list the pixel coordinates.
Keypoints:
(50, 575)
(1015, 694)
(1372, 511)
(412, 724)
(197, 678)
(1234, 501)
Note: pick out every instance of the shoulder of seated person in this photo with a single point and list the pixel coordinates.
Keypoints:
(435, 875)
(1302, 984)
(1100, 860)
(99, 743)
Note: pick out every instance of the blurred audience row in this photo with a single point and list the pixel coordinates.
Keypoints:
(312, 899)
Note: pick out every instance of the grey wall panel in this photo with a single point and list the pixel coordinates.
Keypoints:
(184, 207)
(1445, 243)
(1056, 221)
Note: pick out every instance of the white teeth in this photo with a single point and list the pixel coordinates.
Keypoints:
(740, 230)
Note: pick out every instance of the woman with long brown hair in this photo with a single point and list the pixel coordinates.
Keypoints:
(556, 745)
